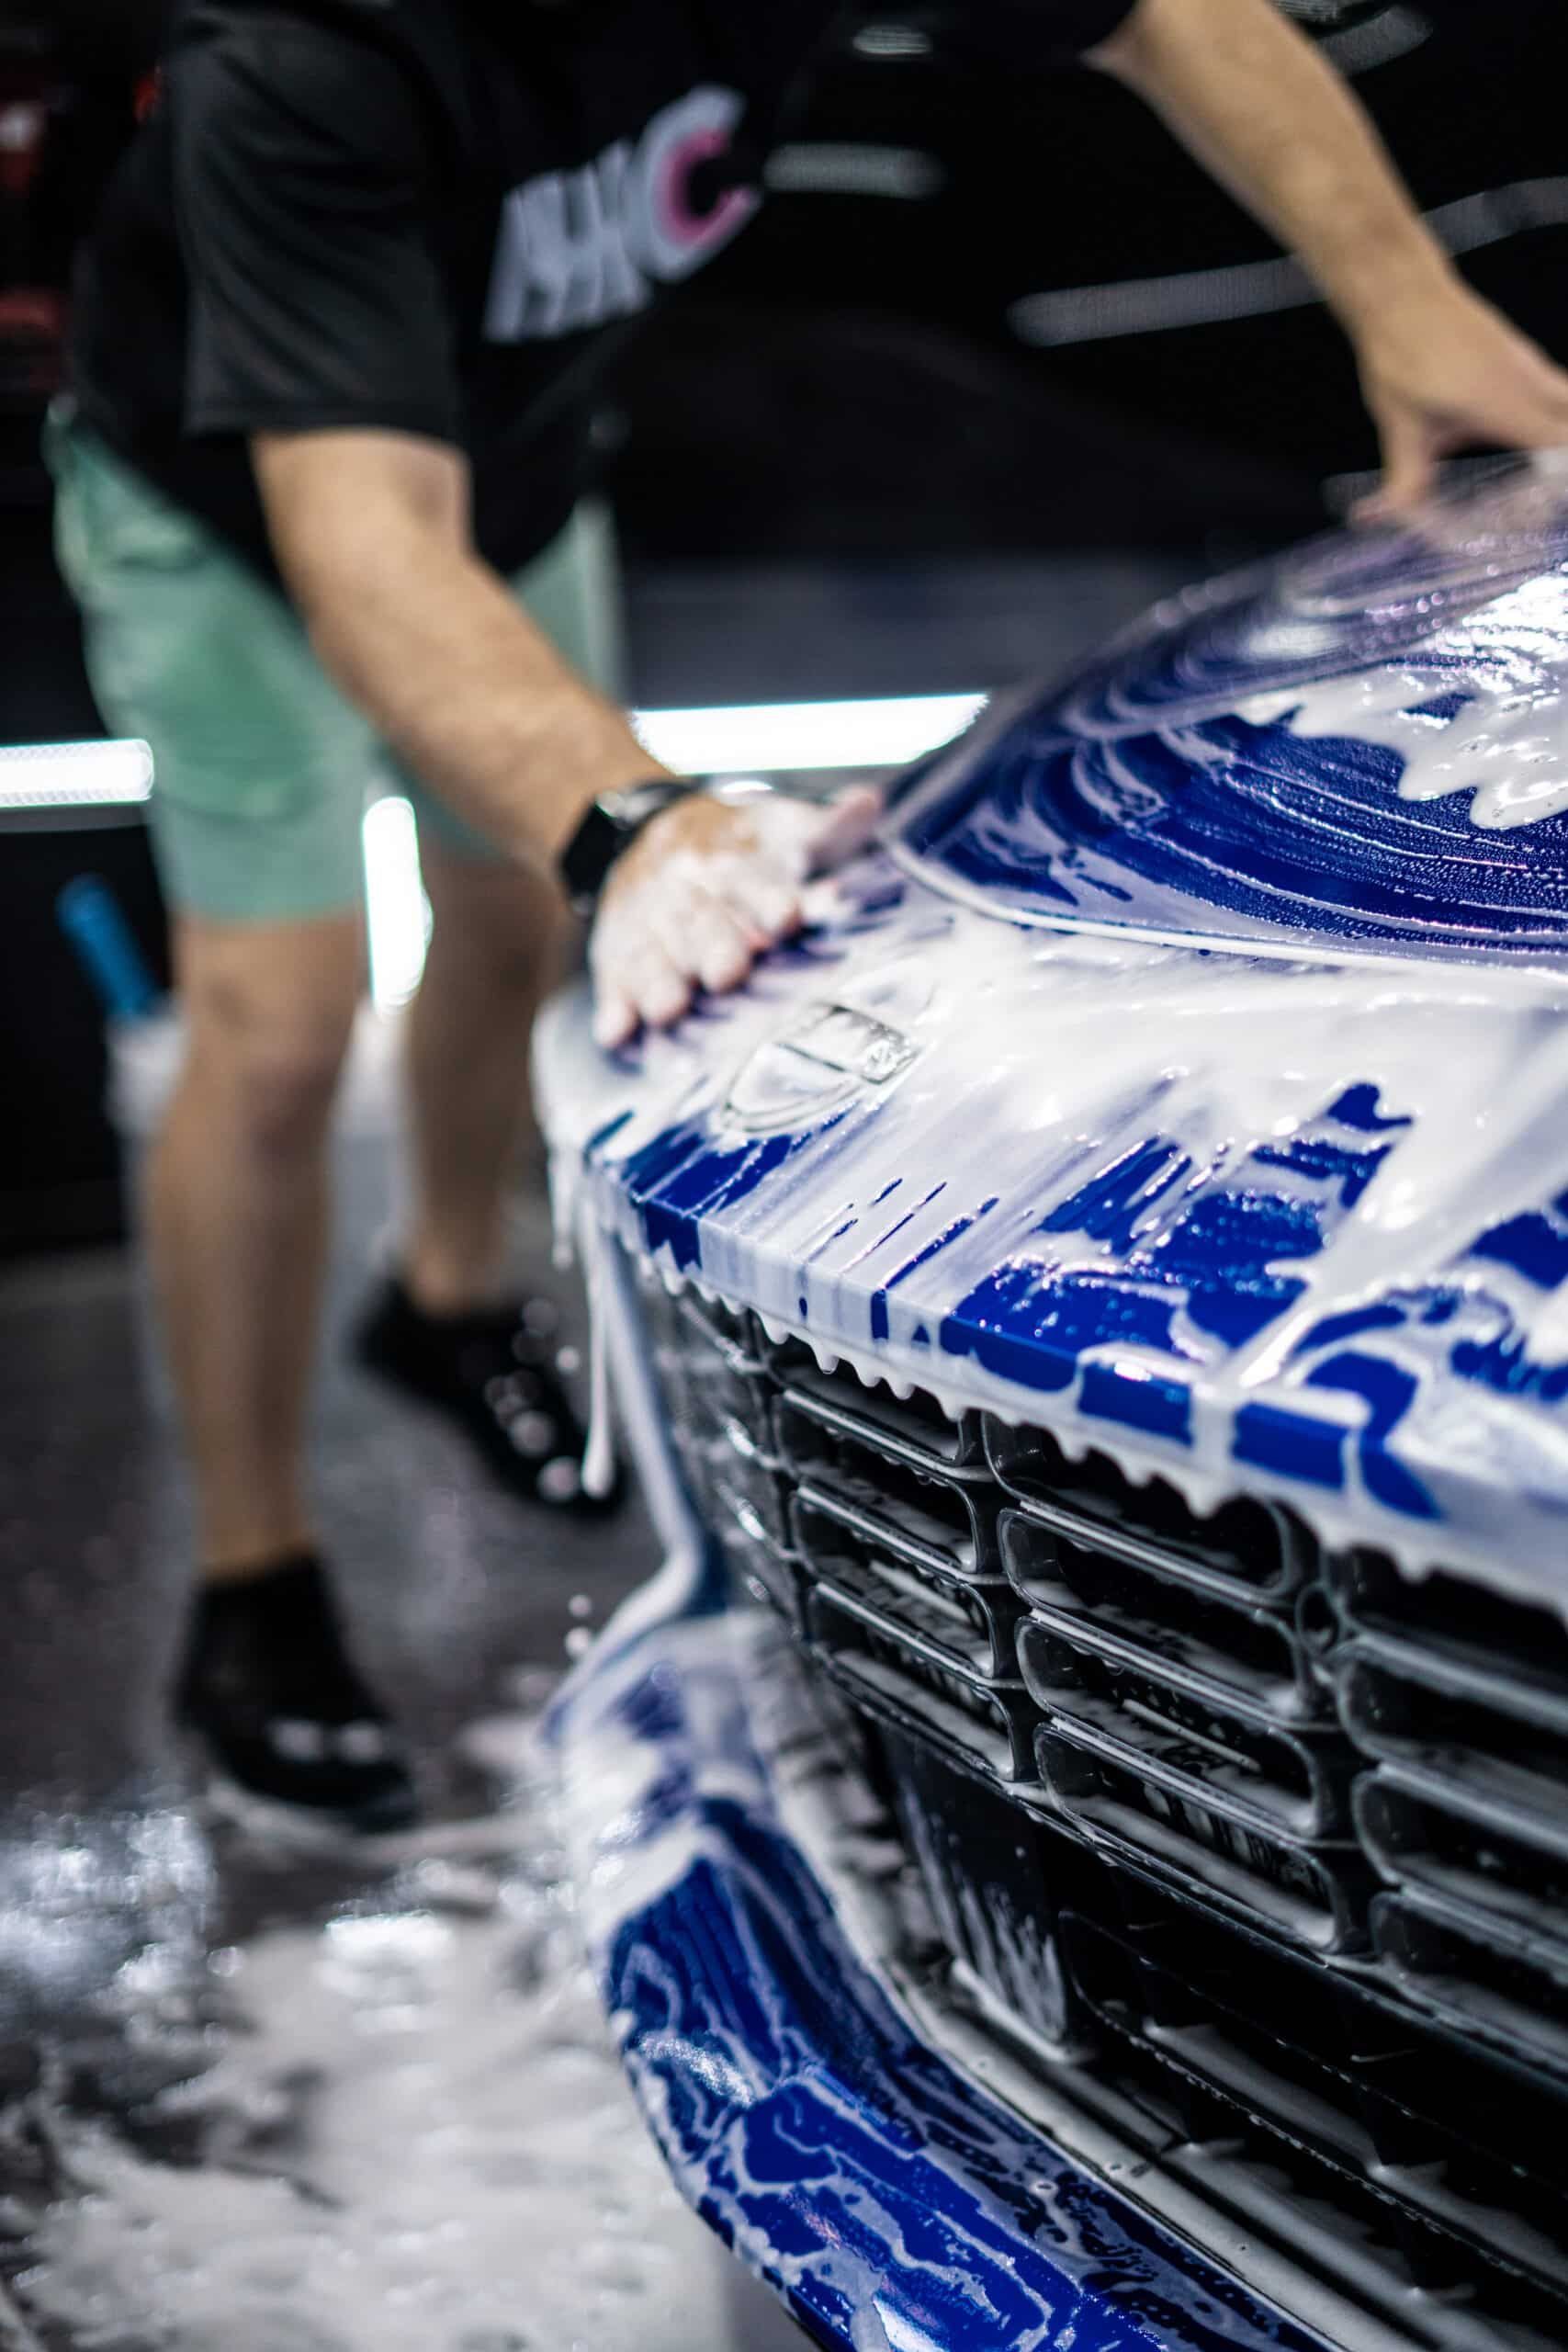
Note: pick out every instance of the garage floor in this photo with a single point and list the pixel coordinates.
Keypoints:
(288, 2103)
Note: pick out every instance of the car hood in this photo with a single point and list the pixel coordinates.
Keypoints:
(1251, 1186)
(1362, 746)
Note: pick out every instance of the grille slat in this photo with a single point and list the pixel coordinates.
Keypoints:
(1249, 1767)
(1417, 1832)
(1446, 1618)
(919, 1507)
(1253, 1652)
(1426, 2215)
(914, 1429)
(1460, 1702)
(1202, 1737)
(768, 1571)
(1245, 1544)
(913, 1422)
(1154, 1817)
(730, 1468)
(1273, 1845)
(984, 1721)
(1462, 1725)
(1489, 1977)
(973, 1619)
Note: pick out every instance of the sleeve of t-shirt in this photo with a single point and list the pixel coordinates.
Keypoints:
(301, 156)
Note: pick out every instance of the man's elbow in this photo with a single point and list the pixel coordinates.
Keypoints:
(1126, 53)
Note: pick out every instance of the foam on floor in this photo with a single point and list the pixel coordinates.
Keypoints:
(399, 2126)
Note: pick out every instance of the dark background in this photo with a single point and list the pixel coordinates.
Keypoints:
(858, 383)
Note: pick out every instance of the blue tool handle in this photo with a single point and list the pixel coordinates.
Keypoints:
(91, 918)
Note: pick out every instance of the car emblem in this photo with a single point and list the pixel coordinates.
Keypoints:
(824, 1056)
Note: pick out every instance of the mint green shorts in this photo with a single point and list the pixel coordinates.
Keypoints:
(263, 770)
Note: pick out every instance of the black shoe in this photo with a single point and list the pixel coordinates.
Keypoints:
(491, 1374)
(268, 1682)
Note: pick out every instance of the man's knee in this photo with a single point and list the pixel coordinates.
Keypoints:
(271, 1085)
(269, 1023)
(278, 1094)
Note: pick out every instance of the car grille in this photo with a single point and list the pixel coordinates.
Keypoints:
(1269, 1846)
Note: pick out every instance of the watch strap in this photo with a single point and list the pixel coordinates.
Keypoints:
(608, 828)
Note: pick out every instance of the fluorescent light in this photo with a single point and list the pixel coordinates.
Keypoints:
(892, 41)
(776, 737)
(396, 908)
(839, 168)
(727, 739)
(75, 776)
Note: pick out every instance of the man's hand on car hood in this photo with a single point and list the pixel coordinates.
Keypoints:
(1445, 374)
(704, 891)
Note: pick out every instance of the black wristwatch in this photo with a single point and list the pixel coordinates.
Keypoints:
(609, 826)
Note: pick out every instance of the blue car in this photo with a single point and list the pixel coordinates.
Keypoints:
(1074, 1845)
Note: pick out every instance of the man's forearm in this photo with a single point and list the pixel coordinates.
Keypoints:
(477, 701)
(1251, 98)
(430, 643)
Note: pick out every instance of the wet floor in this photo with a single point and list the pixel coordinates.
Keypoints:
(341, 2105)
(254, 2096)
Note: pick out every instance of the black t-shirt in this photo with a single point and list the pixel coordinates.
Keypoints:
(433, 216)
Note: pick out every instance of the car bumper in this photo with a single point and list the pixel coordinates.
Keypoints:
(816, 2108)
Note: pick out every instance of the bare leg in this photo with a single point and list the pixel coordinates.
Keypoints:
(237, 1211)
(498, 945)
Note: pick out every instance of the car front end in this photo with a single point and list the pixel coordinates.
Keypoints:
(1072, 1844)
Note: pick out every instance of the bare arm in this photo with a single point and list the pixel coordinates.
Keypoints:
(1251, 97)
(371, 534)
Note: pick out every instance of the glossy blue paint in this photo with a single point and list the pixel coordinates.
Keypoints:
(1290, 1446)
(887, 2199)
(1195, 777)
(1209, 1266)
(1253, 827)
(682, 1178)
(1337, 604)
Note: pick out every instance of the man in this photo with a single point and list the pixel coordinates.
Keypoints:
(335, 343)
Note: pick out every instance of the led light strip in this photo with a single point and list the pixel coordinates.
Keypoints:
(731, 739)
(748, 739)
(1250, 289)
(75, 776)
(396, 913)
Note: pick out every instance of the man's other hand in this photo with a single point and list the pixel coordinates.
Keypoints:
(706, 889)
(1444, 374)
(1248, 95)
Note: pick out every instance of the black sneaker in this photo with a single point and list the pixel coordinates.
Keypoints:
(492, 1375)
(268, 1684)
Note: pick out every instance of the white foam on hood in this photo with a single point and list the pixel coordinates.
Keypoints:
(1508, 748)
(1044, 1056)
